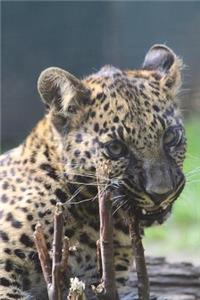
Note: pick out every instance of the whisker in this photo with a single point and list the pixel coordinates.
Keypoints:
(191, 156)
(120, 206)
(90, 175)
(77, 166)
(75, 193)
(192, 174)
(193, 170)
(84, 183)
(85, 200)
(116, 202)
(88, 199)
(192, 181)
(116, 197)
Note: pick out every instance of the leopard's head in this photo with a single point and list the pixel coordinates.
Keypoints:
(129, 119)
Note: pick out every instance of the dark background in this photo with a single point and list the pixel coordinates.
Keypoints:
(81, 37)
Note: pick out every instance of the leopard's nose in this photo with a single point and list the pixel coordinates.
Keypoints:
(159, 188)
(158, 181)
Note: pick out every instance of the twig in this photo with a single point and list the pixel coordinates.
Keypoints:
(107, 289)
(143, 281)
(98, 253)
(55, 290)
(43, 253)
(55, 272)
(65, 255)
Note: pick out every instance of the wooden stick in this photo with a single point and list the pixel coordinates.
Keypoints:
(138, 250)
(55, 292)
(43, 253)
(65, 254)
(98, 253)
(107, 289)
(106, 245)
(55, 273)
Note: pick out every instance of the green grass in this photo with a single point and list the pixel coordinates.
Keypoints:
(181, 233)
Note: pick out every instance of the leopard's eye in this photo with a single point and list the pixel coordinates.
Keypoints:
(172, 136)
(116, 149)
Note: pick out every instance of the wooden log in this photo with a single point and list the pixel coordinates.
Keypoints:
(43, 253)
(168, 281)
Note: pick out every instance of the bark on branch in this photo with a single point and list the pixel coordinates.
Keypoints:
(107, 289)
(55, 270)
(138, 251)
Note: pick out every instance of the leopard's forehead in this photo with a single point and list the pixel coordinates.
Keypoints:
(134, 101)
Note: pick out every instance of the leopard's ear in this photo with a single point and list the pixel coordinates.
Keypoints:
(61, 92)
(164, 61)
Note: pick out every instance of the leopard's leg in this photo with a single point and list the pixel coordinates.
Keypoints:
(123, 261)
(20, 275)
(10, 286)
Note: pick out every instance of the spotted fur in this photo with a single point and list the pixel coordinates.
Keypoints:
(130, 119)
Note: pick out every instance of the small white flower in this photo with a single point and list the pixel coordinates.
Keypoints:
(77, 286)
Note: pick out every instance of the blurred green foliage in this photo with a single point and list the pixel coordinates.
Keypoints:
(181, 233)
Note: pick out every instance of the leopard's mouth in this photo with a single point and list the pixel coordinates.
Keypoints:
(148, 212)
(158, 214)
